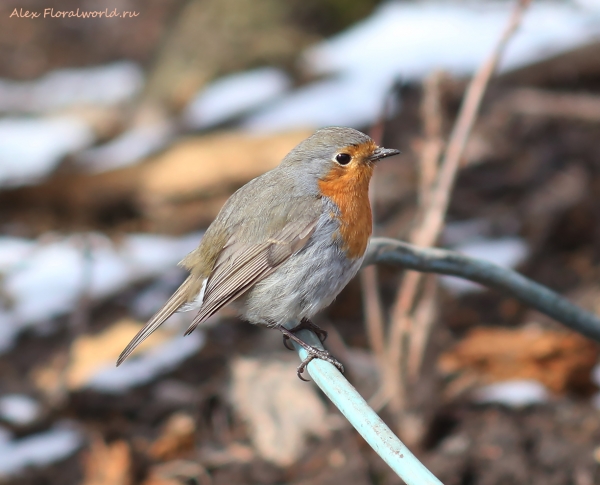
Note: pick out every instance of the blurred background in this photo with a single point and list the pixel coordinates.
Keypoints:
(122, 136)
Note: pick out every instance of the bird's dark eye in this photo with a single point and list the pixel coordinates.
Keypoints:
(343, 158)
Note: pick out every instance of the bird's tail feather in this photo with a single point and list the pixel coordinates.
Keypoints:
(178, 299)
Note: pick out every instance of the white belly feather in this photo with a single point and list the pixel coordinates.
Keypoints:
(307, 282)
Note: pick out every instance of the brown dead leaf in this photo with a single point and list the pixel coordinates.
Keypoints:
(200, 168)
(176, 438)
(89, 354)
(107, 464)
(48, 378)
(561, 361)
(280, 410)
(203, 165)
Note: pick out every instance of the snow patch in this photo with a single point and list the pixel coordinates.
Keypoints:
(143, 369)
(128, 148)
(37, 450)
(234, 95)
(514, 393)
(19, 409)
(30, 149)
(101, 85)
(45, 280)
(507, 252)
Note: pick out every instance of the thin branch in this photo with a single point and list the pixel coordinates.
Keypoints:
(374, 318)
(433, 219)
(431, 149)
(420, 325)
(425, 315)
(374, 313)
(394, 377)
(441, 261)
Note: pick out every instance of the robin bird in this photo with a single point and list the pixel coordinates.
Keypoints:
(287, 242)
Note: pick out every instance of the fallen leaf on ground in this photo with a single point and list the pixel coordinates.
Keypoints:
(176, 438)
(193, 178)
(280, 409)
(562, 361)
(88, 355)
(107, 464)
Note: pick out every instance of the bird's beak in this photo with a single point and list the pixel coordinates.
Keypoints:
(381, 152)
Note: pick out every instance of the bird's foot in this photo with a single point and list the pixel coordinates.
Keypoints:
(305, 324)
(313, 353)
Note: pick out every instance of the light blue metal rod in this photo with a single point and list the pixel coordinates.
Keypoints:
(435, 260)
(363, 418)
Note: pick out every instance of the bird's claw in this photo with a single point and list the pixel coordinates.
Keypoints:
(305, 324)
(286, 343)
(313, 352)
(318, 354)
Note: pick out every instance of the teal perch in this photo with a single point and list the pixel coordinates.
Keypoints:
(363, 418)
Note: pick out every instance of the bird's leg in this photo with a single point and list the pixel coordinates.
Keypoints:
(313, 353)
(305, 324)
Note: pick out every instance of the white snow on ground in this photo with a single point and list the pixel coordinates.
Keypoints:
(45, 279)
(461, 232)
(507, 252)
(30, 149)
(589, 4)
(138, 370)
(14, 249)
(149, 300)
(407, 41)
(39, 449)
(127, 148)
(410, 39)
(101, 85)
(346, 100)
(514, 393)
(18, 409)
(234, 95)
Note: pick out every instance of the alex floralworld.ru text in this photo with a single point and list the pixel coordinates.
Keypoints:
(50, 12)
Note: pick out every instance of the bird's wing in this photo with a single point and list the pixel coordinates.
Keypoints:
(241, 265)
(179, 298)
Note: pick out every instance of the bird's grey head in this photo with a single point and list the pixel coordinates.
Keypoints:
(332, 152)
(333, 148)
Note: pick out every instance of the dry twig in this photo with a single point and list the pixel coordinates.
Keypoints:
(433, 219)
(424, 316)
(374, 315)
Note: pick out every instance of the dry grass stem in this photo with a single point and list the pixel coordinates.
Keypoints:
(433, 217)
(374, 316)
(425, 314)
(374, 313)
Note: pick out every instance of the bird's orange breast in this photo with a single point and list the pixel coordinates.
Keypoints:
(348, 188)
